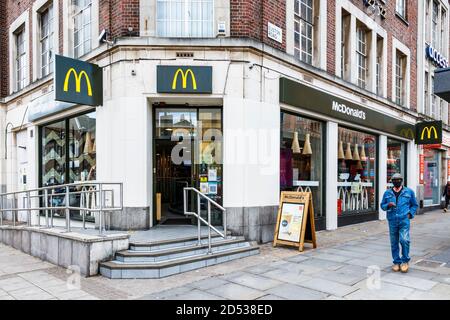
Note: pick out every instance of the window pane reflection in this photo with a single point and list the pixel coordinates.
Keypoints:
(301, 156)
(356, 172)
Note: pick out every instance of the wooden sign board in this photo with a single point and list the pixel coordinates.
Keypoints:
(295, 222)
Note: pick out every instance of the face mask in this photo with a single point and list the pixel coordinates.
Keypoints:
(397, 183)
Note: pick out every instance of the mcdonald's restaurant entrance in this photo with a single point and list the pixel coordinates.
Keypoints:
(187, 153)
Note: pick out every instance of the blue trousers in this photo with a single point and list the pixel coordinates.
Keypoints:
(399, 234)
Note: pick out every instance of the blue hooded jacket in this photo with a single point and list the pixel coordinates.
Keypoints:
(407, 203)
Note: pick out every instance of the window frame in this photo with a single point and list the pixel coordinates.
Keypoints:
(49, 37)
(79, 11)
(434, 24)
(186, 20)
(401, 9)
(361, 56)
(20, 57)
(400, 78)
(299, 51)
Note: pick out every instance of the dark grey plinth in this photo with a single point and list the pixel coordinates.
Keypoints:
(254, 223)
(131, 218)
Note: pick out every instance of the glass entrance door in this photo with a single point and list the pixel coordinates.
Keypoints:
(187, 153)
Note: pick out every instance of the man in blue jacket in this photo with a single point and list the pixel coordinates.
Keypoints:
(401, 206)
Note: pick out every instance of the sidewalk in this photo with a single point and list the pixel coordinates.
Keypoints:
(352, 262)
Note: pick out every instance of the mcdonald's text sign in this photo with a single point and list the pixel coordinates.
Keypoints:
(184, 79)
(78, 82)
(429, 132)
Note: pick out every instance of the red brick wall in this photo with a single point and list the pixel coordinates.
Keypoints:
(118, 15)
(395, 27)
(249, 18)
(11, 11)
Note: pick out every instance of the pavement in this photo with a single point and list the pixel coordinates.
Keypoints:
(352, 262)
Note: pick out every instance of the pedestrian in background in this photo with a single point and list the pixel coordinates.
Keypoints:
(401, 206)
(446, 194)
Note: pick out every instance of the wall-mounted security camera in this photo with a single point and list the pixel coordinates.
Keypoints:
(103, 37)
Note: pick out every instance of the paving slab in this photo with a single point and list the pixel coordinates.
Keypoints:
(328, 286)
(196, 295)
(294, 292)
(409, 281)
(287, 276)
(255, 282)
(386, 291)
(209, 283)
(234, 291)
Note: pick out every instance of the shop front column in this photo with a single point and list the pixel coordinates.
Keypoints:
(331, 164)
(382, 174)
(412, 165)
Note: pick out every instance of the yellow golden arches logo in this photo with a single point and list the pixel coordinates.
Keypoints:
(184, 76)
(428, 130)
(78, 78)
(407, 133)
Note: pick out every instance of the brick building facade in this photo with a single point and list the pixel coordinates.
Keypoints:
(349, 64)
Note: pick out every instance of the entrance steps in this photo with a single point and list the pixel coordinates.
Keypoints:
(164, 258)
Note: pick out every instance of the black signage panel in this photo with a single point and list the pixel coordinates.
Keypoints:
(305, 97)
(442, 83)
(184, 79)
(78, 81)
(429, 132)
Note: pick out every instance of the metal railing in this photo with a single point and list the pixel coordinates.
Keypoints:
(84, 197)
(200, 219)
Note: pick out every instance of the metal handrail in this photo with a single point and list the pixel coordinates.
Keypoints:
(45, 196)
(200, 219)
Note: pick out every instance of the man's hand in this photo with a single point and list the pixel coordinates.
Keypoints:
(391, 204)
(409, 216)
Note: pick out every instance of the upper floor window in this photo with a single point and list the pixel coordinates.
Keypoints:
(361, 52)
(46, 40)
(185, 18)
(443, 28)
(400, 8)
(434, 112)
(303, 30)
(400, 66)
(82, 33)
(21, 63)
(434, 25)
(426, 102)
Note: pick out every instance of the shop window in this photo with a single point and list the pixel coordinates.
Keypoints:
(182, 18)
(82, 150)
(53, 160)
(356, 172)
(301, 156)
(432, 191)
(68, 150)
(396, 158)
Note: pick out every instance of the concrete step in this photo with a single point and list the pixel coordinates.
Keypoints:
(172, 243)
(133, 256)
(151, 270)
